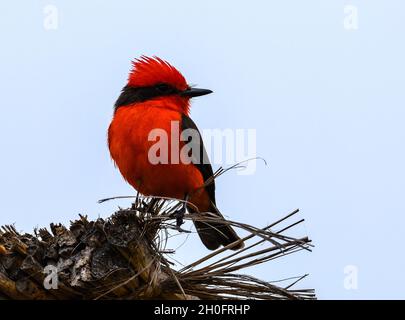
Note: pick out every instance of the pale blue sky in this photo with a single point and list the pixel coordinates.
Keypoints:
(327, 103)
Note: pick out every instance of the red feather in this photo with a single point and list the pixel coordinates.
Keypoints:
(151, 71)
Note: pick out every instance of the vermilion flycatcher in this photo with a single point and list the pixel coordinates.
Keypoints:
(155, 97)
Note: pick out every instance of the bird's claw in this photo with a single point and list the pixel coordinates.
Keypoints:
(179, 215)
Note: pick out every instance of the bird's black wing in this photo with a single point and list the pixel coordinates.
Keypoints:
(200, 160)
(212, 234)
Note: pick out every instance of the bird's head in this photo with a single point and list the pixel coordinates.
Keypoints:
(155, 79)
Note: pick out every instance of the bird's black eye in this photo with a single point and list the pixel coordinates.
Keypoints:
(164, 88)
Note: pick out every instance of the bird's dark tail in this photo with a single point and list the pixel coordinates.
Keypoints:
(215, 234)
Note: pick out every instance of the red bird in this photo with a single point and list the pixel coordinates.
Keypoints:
(155, 96)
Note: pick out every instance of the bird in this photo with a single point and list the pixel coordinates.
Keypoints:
(155, 97)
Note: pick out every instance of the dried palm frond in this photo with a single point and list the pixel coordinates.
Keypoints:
(125, 257)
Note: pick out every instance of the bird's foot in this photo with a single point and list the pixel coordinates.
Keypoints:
(179, 216)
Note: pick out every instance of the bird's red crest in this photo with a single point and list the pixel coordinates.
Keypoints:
(151, 71)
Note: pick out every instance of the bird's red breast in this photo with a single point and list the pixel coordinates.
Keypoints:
(130, 146)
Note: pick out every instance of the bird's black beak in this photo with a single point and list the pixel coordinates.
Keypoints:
(195, 92)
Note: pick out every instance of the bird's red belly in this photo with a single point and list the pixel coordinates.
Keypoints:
(130, 148)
